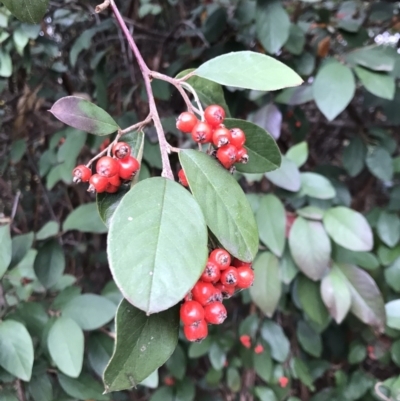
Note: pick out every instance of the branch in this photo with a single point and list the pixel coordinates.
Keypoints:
(20, 390)
(146, 73)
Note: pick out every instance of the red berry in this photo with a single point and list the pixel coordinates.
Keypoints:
(245, 277)
(242, 155)
(239, 263)
(128, 167)
(202, 133)
(221, 258)
(227, 155)
(229, 276)
(203, 292)
(211, 273)
(226, 291)
(217, 295)
(214, 115)
(188, 296)
(107, 166)
(196, 332)
(115, 181)
(169, 381)
(245, 340)
(259, 349)
(283, 381)
(186, 122)
(81, 173)
(238, 137)
(98, 183)
(191, 312)
(221, 137)
(182, 178)
(112, 189)
(215, 313)
(121, 150)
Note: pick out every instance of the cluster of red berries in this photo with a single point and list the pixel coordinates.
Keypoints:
(203, 305)
(230, 143)
(110, 171)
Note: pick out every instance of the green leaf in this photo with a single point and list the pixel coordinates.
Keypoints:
(309, 340)
(83, 388)
(388, 228)
(217, 356)
(348, 228)
(99, 349)
(233, 379)
(311, 212)
(264, 155)
(266, 289)
(90, 311)
(273, 334)
(263, 73)
(354, 156)
(295, 96)
(84, 115)
(40, 388)
(393, 314)
(272, 25)
(6, 65)
(392, 275)
(138, 351)
(65, 343)
(336, 294)
(287, 267)
(145, 253)
(263, 364)
(199, 349)
(33, 315)
(31, 11)
(296, 41)
(49, 263)
(380, 163)
(208, 91)
(308, 293)
(377, 58)
(224, 205)
(151, 381)
(20, 247)
(366, 300)
(265, 394)
(85, 218)
(301, 372)
(378, 83)
(316, 186)
(310, 247)
(287, 176)
(298, 153)
(5, 249)
(176, 364)
(357, 352)
(271, 221)
(50, 229)
(16, 355)
(333, 88)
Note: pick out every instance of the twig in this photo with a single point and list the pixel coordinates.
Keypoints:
(196, 97)
(108, 333)
(15, 205)
(101, 7)
(20, 390)
(146, 73)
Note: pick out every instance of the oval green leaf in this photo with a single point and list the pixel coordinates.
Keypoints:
(264, 155)
(90, 311)
(50, 229)
(393, 314)
(333, 88)
(225, 207)
(316, 186)
(348, 228)
(5, 248)
(310, 247)
(84, 115)
(287, 176)
(85, 387)
(143, 343)
(16, 346)
(27, 10)
(263, 73)
(157, 241)
(378, 83)
(85, 218)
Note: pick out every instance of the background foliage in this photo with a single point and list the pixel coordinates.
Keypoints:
(325, 303)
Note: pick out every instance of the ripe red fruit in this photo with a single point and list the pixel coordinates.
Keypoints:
(202, 133)
(245, 277)
(239, 263)
(203, 292)
(214, 115)
(115, 181)
(227, 155)
(217, 295)
(107, 166)
(283, 381)
(128, 166)
(81, 173)
(229, 276)
(169, 381)
(226, 291)
(196, 332)
(245, 340)
(121, 150)
(242, 155)
(215, 313)
(98, 183)
(111, 189)
(191, 312)
(221, 136)
(186, 122)
(182, 178)
(211, 273)
(259, 349)
(221, 258)
(238, 137)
